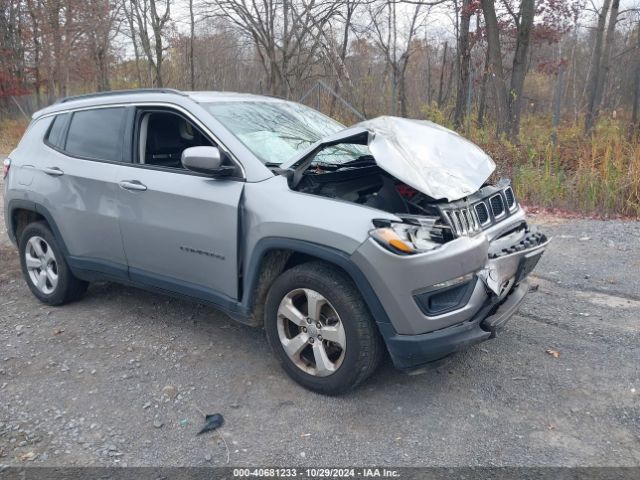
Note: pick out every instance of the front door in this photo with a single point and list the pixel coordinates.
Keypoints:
(179, 229)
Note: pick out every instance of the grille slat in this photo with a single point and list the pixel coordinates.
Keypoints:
(497, 205)
(511, 200)
(482, 212)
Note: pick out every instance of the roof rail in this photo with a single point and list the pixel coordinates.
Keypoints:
(121, 92)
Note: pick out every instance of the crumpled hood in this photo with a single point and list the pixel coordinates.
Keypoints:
(430, 158)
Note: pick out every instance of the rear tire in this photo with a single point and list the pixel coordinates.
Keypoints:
(320, 329)
(45, 268)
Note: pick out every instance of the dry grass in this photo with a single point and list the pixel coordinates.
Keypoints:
(11, 131)
(598, 174)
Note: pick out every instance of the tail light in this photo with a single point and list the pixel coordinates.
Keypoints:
(6, 164)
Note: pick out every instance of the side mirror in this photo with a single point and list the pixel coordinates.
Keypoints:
(206, 160)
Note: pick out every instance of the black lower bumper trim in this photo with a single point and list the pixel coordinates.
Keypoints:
(409, 352)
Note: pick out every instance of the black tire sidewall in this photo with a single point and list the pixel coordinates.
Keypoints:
(59, 295)
(353, 315)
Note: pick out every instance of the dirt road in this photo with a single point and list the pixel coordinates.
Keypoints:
(83, 384)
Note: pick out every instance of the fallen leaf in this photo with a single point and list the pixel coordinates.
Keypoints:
(26, 457)
(553, 353)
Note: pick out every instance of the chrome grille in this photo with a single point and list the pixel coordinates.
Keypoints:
(463, 221)
(489, 206)
(497, 205)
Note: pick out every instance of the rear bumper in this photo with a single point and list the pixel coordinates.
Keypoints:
(410, 352)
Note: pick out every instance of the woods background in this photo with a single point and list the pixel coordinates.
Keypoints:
(551, 88)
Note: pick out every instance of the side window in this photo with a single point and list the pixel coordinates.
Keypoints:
(164, 135)
(97, 134)
(56, 130)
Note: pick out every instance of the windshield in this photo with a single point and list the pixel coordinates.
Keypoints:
(278, 131)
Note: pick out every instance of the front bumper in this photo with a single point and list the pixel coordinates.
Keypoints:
(410, 352)
(424, 326)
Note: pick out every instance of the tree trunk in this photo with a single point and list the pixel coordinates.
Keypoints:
(342, 56)
(519, 69)
(557, 104)
(464, 59)
(605, 64)
(34, 13)
(130, 20)
(594, 75)
(192, 38)
(635, 114)
(444, 64)
(495, 70)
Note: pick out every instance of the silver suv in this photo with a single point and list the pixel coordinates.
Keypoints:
(341, 243)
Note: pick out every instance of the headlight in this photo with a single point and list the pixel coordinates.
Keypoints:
(409, 238)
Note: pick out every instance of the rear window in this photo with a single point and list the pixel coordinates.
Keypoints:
(97, 134)
(56, 130)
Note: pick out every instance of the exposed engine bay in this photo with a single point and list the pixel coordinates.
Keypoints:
(430, 177)
(364, 183)
(367, 185)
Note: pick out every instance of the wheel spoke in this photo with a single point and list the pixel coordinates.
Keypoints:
(293, 346)
(52, 276)
(31, 261)
(335, 334)
(42, 281)
(315, 301)
(37, 247)
(290, 312)
(49, 256)
(324, 366)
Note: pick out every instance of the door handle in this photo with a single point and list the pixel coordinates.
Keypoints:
(53, 171)
(134, 185)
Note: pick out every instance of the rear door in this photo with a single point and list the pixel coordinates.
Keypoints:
(179, 228)
(75, 180)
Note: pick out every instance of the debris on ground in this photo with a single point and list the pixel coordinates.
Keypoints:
(170, 391)
(211, 422)
(554, 353)
(27, 457)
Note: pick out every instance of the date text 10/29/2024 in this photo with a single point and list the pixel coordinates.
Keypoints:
(316, 472)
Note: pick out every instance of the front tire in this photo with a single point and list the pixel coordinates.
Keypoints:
(320, 329)
(45, 268)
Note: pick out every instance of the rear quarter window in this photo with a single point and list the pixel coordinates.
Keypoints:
(55, 134)
(97, 134)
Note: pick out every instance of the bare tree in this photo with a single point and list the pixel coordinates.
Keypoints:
(192, 38)
(152, 24)
(524, 24)
(603, 67)
(635, 115)
(464, 61)
(286, 34)
(384, 31)
(101, 26)
(596, 62)
(495, 70)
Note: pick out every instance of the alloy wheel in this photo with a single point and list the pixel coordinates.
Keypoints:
(41, 264)
(311, 332)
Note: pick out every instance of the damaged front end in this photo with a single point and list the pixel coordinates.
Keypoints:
(453, 251)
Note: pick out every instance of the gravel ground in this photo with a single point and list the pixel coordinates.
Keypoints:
(124, 377)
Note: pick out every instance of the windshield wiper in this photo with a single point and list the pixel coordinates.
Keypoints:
(362, 161)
